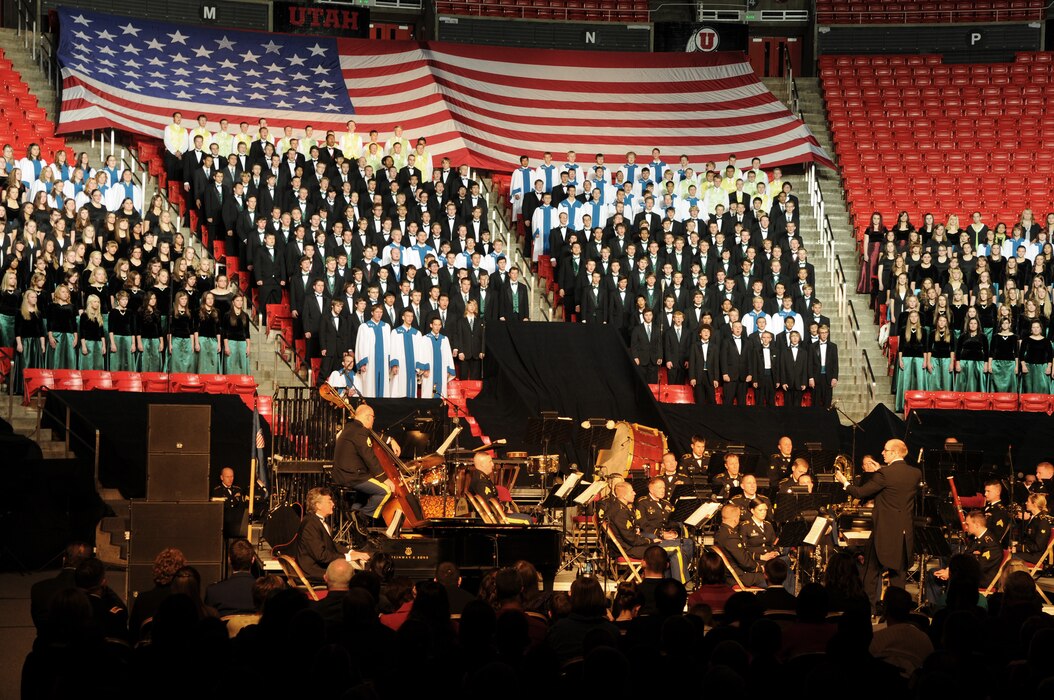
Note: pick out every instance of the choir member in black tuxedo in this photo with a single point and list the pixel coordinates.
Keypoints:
(735, 366)
(314, 310)
(620, 307)
(704, 362)
(646, 349)
(794, 371)
(765, 370)
(593, 300)
(677, 343)
(334, 337)
(468, 342)
(823, 368)
(269, 272)
(516, 304)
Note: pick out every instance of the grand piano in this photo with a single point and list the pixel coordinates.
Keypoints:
(475, 547)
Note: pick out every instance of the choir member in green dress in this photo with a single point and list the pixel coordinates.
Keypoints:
(122, 331)
(1004, 363)
(181, 335)
(940, 357)
(236, 337)
(151, 338)
(1036, 356)
(911, 354)
(62, 330)
(972, 358)
(92, 335)
(10, 303)
(207, 340)
(29, 336)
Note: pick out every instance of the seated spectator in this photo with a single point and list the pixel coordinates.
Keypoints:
(233, 594)
(166, 564)
(901, 642)
(588, 613)
(337, 577)
(775, 595)
(400, 593)
(41, 593)
(449, 576)
(713, 590)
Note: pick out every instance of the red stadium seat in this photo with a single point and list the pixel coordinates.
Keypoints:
(1004, 402)
(917, 399)
(676, 393)
(976, 401)
(216, 383)
(1036, 403)
(156, 382)
(69, 380)
(263, 405)
(128, 381)
(34, 381)
(186, 384)
(242, 384)
(98, 379)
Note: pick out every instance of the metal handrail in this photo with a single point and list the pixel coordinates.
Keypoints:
(869, 375)
(854, 323)
(295, 362)
(68, 432)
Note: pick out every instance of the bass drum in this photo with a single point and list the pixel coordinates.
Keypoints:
(636, 448)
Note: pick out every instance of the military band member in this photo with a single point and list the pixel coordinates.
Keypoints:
(697, 462)
(726, 484)
(653, 510)
(985, 548)
(998, 516)
(780, 461)
(749, 484)
(759, 537)
(356, 466)
(798, 468)
(1044, 482)
(1037, 534)
(670, 472)
(624, 524)
(482, 486)
(727, 537)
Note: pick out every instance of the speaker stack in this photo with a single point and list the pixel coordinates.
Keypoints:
(177, 511)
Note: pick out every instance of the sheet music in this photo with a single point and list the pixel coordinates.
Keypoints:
(395, 524)
(590, 493)
(449, 440)
(702, 514)
(569, 484)
(819, 526)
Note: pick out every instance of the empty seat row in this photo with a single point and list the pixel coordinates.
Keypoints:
(944, 11)
(37, 380)
(978, 401)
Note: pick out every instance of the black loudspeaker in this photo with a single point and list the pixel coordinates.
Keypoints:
(179, 429)
(196, 529)
(177, 477)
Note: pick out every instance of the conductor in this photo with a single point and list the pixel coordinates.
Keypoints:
(894, 488)
(356, 466)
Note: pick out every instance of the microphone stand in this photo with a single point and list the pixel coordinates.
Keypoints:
(455, 421)
(856, 426)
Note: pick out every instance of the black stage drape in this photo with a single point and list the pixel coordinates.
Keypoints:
(121, 418)
(757, 428)
(580, 371)
(879, 426)
(1029, 436)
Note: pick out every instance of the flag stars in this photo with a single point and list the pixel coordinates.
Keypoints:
(106, 36)
(178, 38)
(249, 57)
(202, 52)
(130, 29)
(81, 19)
(317, 50)
(271, 47)
(155, 45)
(225, 43)
(295, 60)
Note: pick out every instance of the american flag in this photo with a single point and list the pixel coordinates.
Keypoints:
(480, 105)
(258, 445)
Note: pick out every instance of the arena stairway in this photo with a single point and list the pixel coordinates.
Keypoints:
(857, 334)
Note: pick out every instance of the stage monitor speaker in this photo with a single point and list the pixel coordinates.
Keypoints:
(177, 477)
(196, 529)
(179, 429)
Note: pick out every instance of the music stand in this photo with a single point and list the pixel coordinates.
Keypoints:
(543, 431)
(592, 436)
(929, 542)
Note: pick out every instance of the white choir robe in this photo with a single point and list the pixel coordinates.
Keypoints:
(548, 174)
(438, 361)
(750, 322)
(408, 352)
(373, 351)
(31, 170)
(777, 319)
(546, 218)
(520, 184)
(116, 195)
(344, 384)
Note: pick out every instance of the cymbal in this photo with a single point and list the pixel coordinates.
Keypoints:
(426, 462)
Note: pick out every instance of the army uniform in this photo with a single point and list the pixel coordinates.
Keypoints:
(234, 508)
(731, 543)
(1036, 539)
(623, 521)
(989, 554)
(744, 505)
(998, 521)
(726, 486)
(653, 515)
(758, 539)
(779, 466)
(695, 467)
(355, 466)
(672, 480)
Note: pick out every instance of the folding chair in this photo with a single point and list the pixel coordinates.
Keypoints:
(738, 585)
(482, 508)
(1037, 569)
(633, 566)
(998, 575)
(295, 576)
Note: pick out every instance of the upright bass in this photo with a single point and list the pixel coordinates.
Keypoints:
(393, 467)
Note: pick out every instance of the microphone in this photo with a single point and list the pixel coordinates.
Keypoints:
(834, 405)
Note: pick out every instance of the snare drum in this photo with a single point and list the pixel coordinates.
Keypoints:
(543, 464)
(635, 448)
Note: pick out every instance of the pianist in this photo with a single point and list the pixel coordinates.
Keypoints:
(315, 548)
